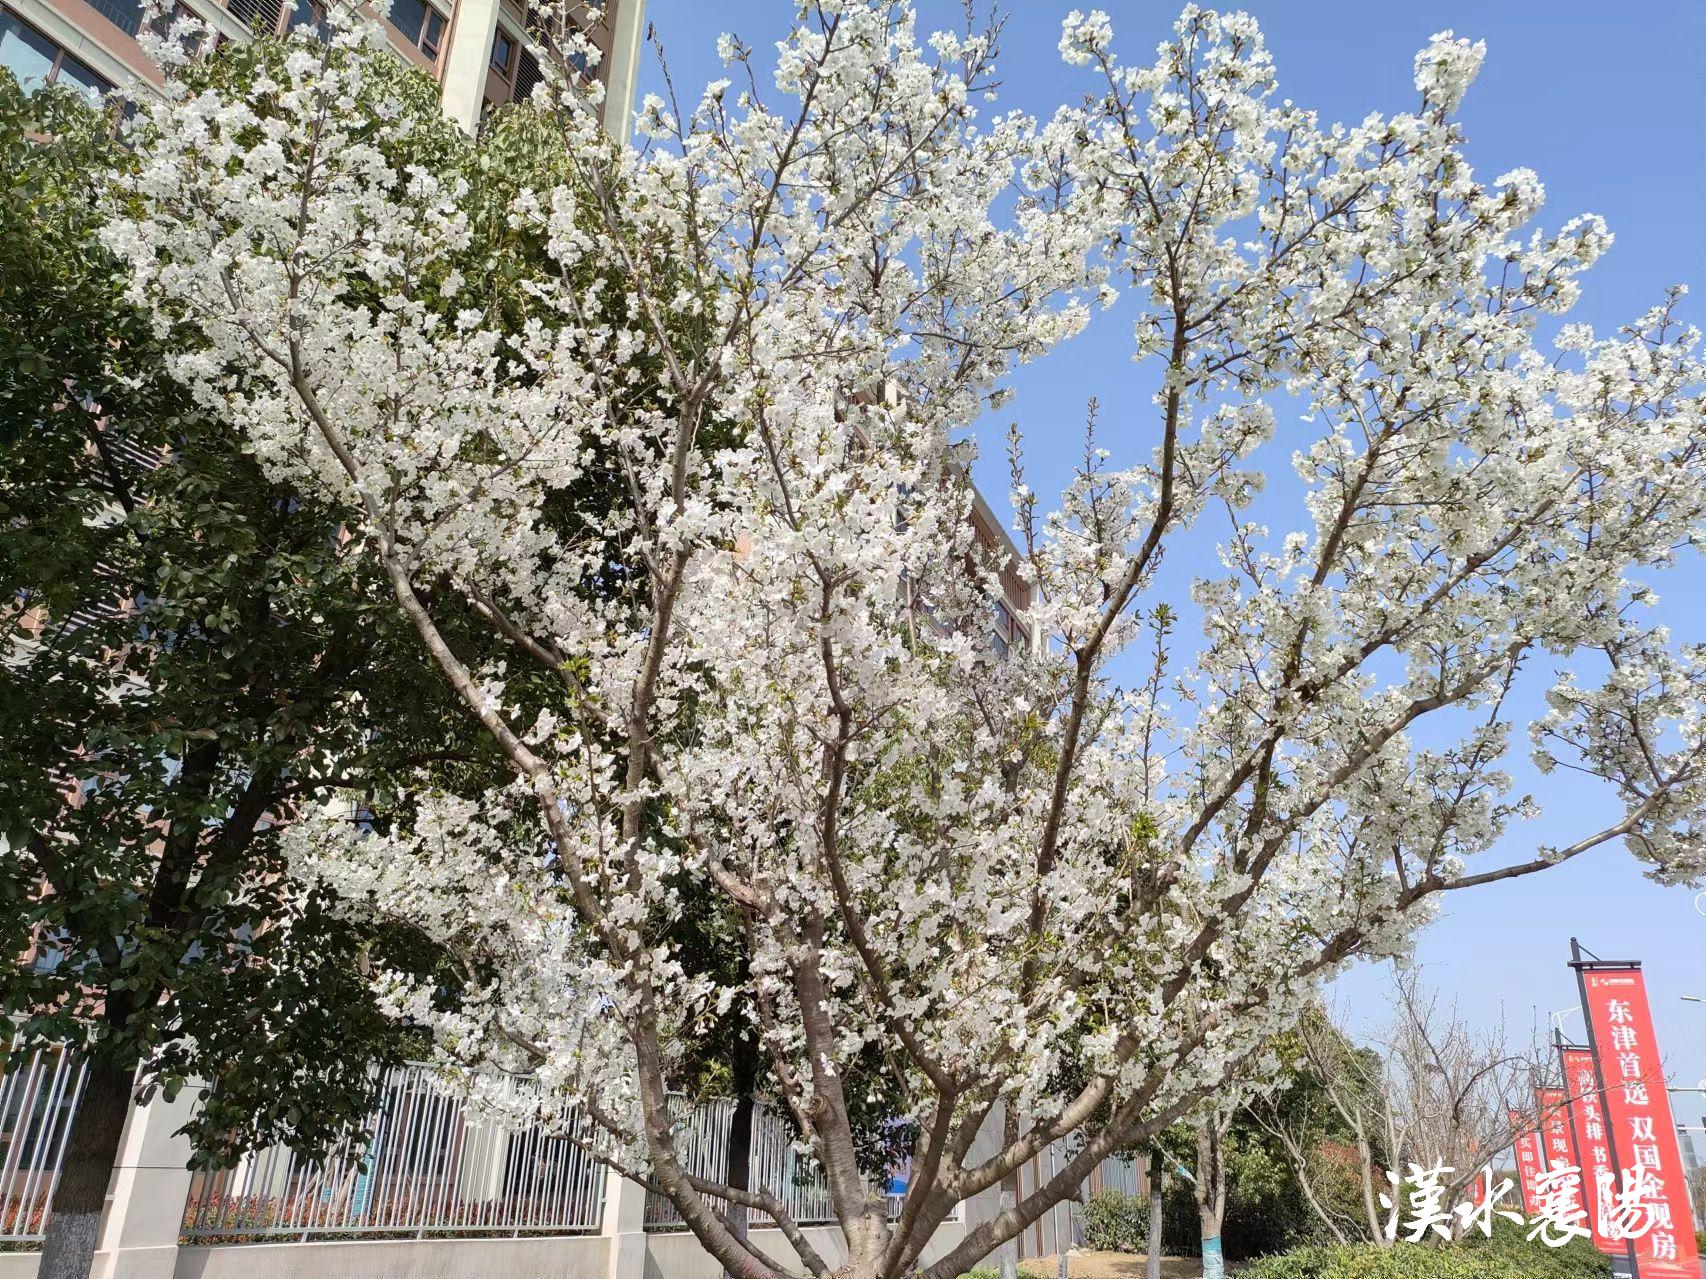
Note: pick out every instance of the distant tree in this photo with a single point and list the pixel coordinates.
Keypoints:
(1233, 1177)
(1433, 1090)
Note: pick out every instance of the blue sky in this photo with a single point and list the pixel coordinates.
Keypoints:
(1606, 102)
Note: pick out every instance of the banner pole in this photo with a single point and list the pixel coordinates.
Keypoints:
(1632, 1268)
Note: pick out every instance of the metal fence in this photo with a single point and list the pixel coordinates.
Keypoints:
(38, 1094)
(1117, 1173)
(432, 1168)
(702, 1146)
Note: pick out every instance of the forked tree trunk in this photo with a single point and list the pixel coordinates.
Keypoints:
(90, 1148)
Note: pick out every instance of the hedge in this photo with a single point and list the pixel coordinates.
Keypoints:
(1508, 1255)
(1116, 1222)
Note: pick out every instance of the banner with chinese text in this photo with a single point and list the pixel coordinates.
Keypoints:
(1554, 1129)
(1654, 1211)
(1529, 1163)
(1560, 1189)
(1593, 1153)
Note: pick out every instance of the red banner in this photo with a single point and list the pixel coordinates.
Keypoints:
(1555, 1137)
(1529, 1163)
(1653, 1201)
(1593, 1152)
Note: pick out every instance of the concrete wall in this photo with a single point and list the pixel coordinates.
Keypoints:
(668, 1255)
(573, 1257)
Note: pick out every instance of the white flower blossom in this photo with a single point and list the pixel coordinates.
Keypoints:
(1446, 69)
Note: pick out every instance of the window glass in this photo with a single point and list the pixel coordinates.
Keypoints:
(310, 13)
(126, 15)
(503, 53)
(434, 30)
(73, 72)
(408, 16)
(24, 53)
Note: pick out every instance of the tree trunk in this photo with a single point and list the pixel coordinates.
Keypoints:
(1008, 1254)
(737, 1174)
(90, 1148)
(1370, 1205)
(1157, 1170)
(1211, 1196)
(1062, 1229)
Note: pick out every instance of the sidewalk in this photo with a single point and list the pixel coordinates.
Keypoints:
(1082, 1264)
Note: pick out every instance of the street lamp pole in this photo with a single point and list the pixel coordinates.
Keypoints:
(1556, 1020)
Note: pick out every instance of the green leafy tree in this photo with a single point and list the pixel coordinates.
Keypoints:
(194, 654)
(201, 653)
(1269, 1201)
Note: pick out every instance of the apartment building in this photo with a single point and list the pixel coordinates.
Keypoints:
(481, 52)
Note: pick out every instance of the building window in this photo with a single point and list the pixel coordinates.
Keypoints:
(162, 26)
(420, 24)
(527, 75)
(503, 54)
(126, 15)
(1007, 633)
(260, 16)
(50, 954)
(310, 13)
(35, 60)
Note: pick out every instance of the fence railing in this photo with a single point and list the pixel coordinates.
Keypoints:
(702, 1135)
(126, 15)
(39, 1091)
(1117, 1173)
(433, 1168)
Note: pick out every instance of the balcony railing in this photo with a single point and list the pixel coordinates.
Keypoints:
(260, 16)
(126, 15)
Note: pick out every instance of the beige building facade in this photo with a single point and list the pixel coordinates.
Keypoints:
(482, 53)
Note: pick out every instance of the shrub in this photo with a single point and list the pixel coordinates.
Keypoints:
(1266, 1211)
(1116, 1222)
(1508, 1255)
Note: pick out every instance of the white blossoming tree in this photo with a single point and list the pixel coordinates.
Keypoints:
(1011, 886)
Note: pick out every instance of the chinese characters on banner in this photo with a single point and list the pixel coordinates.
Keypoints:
(1529, 1163)
(1638, 1121)
(1592, 1147)
(1554, 1129)
(1559, 1188)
